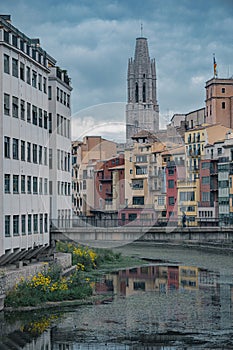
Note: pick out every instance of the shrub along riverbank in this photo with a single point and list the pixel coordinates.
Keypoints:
(51, 286)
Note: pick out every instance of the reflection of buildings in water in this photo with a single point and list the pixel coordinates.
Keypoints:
(188, 277)
(207, 279)
(26, 340)
(225, 298)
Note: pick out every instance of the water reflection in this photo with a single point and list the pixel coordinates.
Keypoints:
(160, 278)
(161, 306)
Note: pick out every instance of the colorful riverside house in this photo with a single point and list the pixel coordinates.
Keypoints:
(109, 187)
(189, 190)
(225, 190)
(174, 164)
(141, 176)
(85, 154)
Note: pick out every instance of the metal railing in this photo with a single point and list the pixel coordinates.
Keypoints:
(91, 221)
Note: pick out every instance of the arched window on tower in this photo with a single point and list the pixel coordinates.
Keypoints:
(136, 92)
(144, 92)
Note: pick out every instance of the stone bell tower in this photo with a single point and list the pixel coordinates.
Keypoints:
(142, 109)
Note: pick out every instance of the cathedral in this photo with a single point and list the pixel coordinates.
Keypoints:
(142, 109)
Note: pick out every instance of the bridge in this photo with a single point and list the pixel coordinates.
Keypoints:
(116, 236)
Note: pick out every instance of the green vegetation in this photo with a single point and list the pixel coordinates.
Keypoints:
(50, 286)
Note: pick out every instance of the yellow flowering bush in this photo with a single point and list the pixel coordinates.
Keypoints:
(84, 257)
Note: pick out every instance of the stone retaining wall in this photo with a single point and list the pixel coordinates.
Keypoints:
(9, 277)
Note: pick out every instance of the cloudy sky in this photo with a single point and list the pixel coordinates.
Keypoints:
(94, 39)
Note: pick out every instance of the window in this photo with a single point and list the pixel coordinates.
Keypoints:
(141, 159)
(22, 71)
(219, 150)
(40, 82)
(35, 185)
(223, 105)
(7, 225)
(171, 183)
(15, 149)
(14, 41)
(29, 184)
(45, 222)
(15, 183)
(50, 123)
(141, 170)
(21, 45)
(29, 75)
(41, 223)
(34, 79)
(7, 183)
(58, 93)
(45, 85)
(29, 152)
(171, 200)
(6, 64)
(45, 120)
(161, 200)
(40, 119)
(40, 154)
(187, 196)
(6, 37)
(35, 223)
(138, 200)
(45, 156)
(15, 107)
(50, 93)
(34, 115)
(23, 150)
(68, 101)
(6, 104)
(40, 185)
(137, 184)
(171, 171)
(22, 109)
(205, 165)
(15, 68)
(46, 186)
(205, 196)
(50, 158)
(23, 224)
(29, 224)
(28, 112)
(23, 184)
(205, 180)
(7, 147)
(223, 90)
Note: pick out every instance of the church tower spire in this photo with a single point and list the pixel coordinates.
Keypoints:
(142, 110)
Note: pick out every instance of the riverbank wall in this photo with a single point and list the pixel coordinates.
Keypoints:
(10, 276)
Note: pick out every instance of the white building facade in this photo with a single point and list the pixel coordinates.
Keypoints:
(27, 148)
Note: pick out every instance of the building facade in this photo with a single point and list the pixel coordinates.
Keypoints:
(27, 151)
(142, 109)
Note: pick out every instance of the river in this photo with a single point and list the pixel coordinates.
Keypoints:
(183, 299)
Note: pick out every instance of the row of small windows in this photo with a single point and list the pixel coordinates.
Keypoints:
(63, 126)
(62, 97)
(63, 188)
(25, 151)
(63, 160)
(25, 224)
(25, 73)
(18, 108)
(25, 184)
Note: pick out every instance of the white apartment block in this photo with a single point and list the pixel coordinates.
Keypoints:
(30, 144)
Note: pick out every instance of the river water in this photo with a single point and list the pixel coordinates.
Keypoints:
(183, 299)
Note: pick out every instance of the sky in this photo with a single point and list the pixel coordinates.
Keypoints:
(93, 40)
